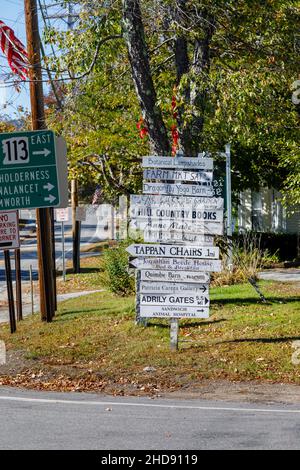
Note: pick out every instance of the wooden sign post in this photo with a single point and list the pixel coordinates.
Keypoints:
(179, 213)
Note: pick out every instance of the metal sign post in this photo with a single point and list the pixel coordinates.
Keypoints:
(10, 294)
(62, 215)
(18, 284)
(10, 238)
(63, 250)
(31, 289)
(229, 206)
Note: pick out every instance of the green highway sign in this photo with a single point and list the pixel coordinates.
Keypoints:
(28, 170)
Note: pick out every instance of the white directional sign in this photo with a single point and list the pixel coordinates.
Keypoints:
(62, 215)
(9, 230)
(176, 251)
(176, 202)
(178, 175)
(153, 287)
(177, 264)
(156, 236)
(178, 214)
(174, 276)
(209, 215)
(174, 311)
(173, 299)
(196, 163)
(178, 189)
(178, 225)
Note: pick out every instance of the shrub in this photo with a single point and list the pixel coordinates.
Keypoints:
(115, 275)
(283, 245)
(247, 259)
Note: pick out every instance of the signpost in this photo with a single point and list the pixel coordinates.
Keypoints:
(28, 170)
(172, 288)
(9, 230)
(179, 216)
(178, 225)
(172, 276)
(10, 239)
(10, 294)
(179, 189)
(80, 214)
(198, 163)
(200, 214)
(177, 264)
(175, 202)
(173, 311)
(157, 236)
(178, 175)
(62, 215)
(173, 299)
(176, 251)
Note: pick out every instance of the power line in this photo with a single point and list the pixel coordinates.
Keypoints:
(13, 2)
(13, 21)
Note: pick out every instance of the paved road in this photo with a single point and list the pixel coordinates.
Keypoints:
(40, 420)
(281, 275)
(89, 233)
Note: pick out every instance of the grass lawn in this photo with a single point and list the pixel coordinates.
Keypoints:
(90, 268)
(93, 343)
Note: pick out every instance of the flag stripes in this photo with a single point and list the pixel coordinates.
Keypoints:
(14, 50)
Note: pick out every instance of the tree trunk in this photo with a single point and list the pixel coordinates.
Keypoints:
(182, 65)
(133, 30)
(200, 82)
(192, 78)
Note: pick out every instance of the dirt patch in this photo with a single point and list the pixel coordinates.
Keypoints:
(20, 371)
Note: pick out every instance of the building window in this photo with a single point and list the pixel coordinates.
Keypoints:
(257, 212)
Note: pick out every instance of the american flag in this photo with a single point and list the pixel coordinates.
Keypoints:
(14, 50)
(97, 195)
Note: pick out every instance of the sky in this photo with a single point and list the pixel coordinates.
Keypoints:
(12, 14)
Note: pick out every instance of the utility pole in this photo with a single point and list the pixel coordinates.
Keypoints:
(76, 224)
(46, 284)
(70, 18)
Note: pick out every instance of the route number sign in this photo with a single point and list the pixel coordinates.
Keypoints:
(16, 150)
(29, 171)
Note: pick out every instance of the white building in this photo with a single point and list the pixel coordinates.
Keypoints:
(263, 212)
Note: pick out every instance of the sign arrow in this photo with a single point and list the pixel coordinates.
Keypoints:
(176, 264)
(48, 186)
(184, 288)
(179, 299)
(50, 198)
(171, 276)
(44, 152)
